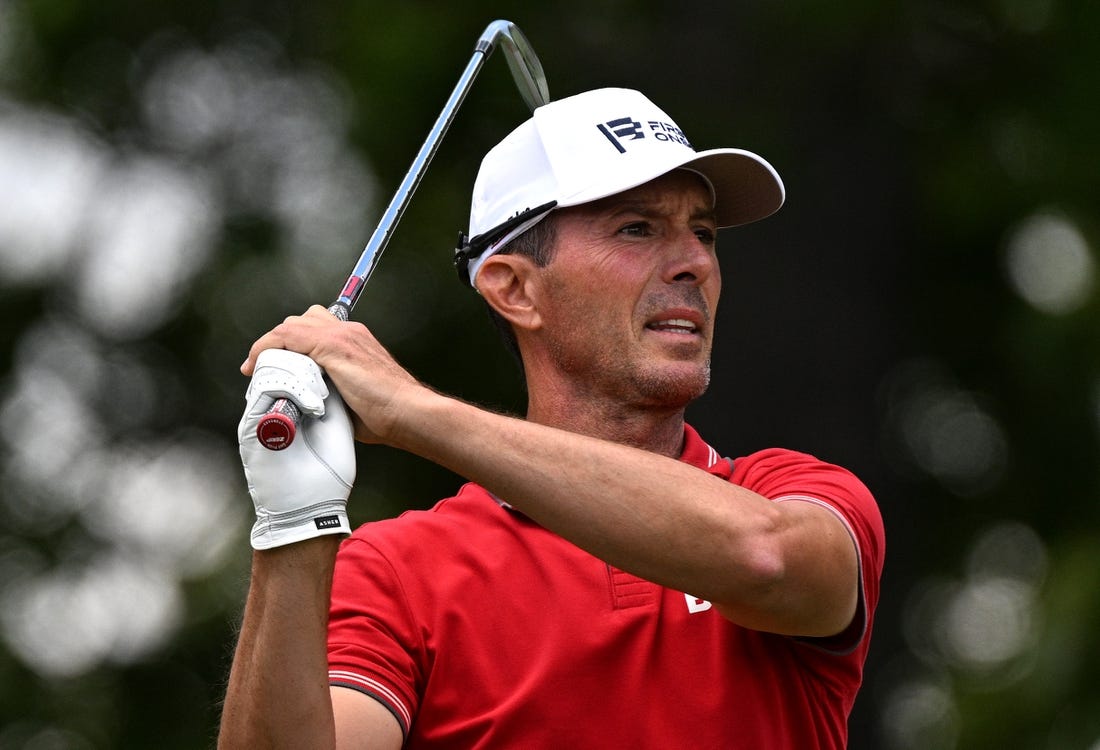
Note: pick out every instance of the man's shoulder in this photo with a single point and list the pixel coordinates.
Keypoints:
(776, 472)
(458, 519)
(777, 458)
(773, 460)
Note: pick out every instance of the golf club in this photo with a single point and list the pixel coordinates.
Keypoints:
(277, 428)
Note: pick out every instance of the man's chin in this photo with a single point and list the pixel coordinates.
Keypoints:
(676, 387)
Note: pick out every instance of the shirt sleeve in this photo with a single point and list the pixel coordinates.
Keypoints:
(785, 476)
(374, 645)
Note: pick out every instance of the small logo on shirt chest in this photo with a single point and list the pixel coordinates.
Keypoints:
(696, 604)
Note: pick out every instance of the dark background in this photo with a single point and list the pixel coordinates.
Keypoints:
(177, 177)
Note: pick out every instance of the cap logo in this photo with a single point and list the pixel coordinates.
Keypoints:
(623, 128)
(628, 129)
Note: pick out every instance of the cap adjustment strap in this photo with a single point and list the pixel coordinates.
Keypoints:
(469, 248)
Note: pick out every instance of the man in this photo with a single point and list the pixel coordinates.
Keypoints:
(606, 579)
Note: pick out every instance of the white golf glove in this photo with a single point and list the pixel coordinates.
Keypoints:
(299, 492)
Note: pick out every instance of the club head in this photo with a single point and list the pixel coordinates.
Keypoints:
(522, 61)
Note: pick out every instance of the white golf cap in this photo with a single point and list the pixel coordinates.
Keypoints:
(593, 145)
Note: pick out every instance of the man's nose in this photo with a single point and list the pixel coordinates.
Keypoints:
(691, 259)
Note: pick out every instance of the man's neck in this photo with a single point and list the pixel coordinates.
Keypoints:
(658, 430)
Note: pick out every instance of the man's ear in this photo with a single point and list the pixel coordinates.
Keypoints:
(507, 284)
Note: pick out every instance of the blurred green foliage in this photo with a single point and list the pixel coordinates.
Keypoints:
(895, 317)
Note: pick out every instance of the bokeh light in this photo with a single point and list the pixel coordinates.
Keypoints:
(984, 624)
(921, 715)
(49, 169)
(944, 430)
(1008, 550)
(981, 629)
(279, 135)
(164, 510)
(1049, 263)
(173, 502)
(120, 229)
(987, 623)
(32, 735)
(112, 608)
(150, 229)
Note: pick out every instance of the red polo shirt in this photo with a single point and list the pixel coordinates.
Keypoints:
(477, 628)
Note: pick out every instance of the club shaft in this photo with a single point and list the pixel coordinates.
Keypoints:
(276, 431)
(368, 260)
(528, 76)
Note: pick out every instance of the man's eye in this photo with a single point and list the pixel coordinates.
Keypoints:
(637, 229)
(706, 236)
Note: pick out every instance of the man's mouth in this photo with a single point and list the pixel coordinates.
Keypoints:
(673, 325)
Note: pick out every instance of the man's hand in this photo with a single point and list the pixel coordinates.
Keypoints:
(372, 383)
(300, 492)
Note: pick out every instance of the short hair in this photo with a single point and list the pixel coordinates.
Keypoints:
(537, 243)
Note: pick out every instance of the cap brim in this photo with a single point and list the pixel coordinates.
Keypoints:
(746, 187)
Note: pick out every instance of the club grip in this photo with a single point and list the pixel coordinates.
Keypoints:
(279, 425)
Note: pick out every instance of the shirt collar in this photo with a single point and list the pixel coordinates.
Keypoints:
(699, 454)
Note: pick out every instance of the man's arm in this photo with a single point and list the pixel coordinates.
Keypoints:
(782, 567)
(278, 695)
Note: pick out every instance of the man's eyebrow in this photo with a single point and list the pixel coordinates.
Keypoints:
(653, 208)
(707, 213)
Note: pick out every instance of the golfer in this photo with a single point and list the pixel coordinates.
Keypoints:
(606, 578)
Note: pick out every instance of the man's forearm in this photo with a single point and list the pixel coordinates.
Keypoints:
(278, 694)
(783, 567)
(654, 516)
